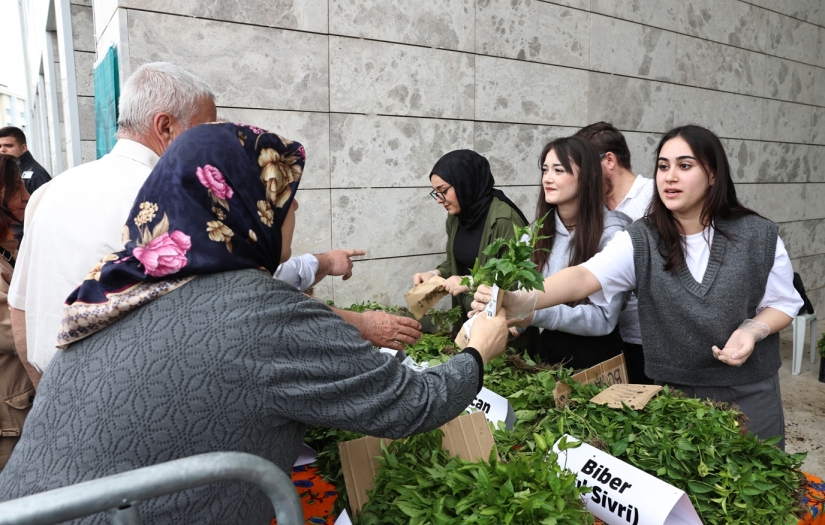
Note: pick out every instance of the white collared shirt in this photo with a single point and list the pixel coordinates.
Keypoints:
(70, 224)
(638, 197)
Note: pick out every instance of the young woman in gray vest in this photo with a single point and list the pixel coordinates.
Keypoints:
(714, 282)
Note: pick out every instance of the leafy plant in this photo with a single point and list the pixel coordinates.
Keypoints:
(418, 483)
(511, 266)
(820, 345)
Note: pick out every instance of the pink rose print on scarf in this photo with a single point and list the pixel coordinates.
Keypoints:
(165, 254)
(214, 182)
(302, 152)
(255, 130)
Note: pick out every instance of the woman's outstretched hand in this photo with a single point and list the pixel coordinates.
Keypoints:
(454, 287)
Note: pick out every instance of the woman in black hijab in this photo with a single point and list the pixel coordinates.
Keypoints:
(478, 214)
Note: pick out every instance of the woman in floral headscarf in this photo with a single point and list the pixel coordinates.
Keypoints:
(181, 345)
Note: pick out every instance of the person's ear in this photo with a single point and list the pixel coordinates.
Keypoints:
(24, 147)
(611, 160)
(162, 124)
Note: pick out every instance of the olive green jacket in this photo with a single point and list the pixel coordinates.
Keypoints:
(500, 221)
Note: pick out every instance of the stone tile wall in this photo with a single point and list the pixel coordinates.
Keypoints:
(379, 89)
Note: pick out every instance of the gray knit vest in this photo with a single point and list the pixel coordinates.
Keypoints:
(682, 319)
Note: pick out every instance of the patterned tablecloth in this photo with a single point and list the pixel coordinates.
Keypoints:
(318, 496)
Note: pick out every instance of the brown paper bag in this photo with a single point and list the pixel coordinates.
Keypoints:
(423, 296)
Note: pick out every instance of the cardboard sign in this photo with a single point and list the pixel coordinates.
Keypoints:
(468, 437)
(609, 372)
(494, 407)
(462, 340)
(634, 396)
(624, 494)
(424, 296)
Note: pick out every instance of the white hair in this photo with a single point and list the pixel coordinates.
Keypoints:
(159, 87)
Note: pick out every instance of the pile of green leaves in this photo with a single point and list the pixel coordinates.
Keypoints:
(821, 346)
(697, 446)
(510, 266)
(418, 483)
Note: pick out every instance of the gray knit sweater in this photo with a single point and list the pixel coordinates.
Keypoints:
(235, 361)
(682, 319)
(583, 319)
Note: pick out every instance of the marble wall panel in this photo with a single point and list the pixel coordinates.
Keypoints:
(817, 134)
(631, 104)
(323, 291)
(817, 157)
(525, 197)
(792, 38)
(373, 151)
(83, 28)
(383, 280)
(791, 81)
(447, 24)
(814, 197)
(632, 49)
(803, 238)
(743, 157)
(410, 223)
(777, 202)
(534, 31)
(313, 224)
(706, 64)
(818, 96)
(736, 23)
(808, 10)
(786, 121)
(310, 129)
(784, 162)
(377, 77)
(817, 298)
(86, 116)
(578, 4)
(82, 2)
(258, 67)
(84, 73)
(304, 15)
(543, 94)
(812, 270)
(820, 54)
(665, 14)
(642, 148)
(513, 149)
(726, 114)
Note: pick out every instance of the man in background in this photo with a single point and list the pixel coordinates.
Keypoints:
(13, 142)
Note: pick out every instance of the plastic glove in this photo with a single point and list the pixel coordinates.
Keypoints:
(423, 277)
(519, 304)
(741, 342)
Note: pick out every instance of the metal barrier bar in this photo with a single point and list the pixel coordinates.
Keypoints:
(121, 493)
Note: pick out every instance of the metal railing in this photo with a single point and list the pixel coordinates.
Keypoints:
(121, 494)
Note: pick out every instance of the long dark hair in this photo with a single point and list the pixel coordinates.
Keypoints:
(590, 218)
(9, 186)
(720, 200)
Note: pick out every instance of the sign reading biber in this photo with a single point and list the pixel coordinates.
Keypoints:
(621, 493)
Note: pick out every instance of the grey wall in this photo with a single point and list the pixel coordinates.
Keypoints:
(379, 89)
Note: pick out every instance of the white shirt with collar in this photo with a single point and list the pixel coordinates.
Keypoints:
(71, 223)
(638, 197)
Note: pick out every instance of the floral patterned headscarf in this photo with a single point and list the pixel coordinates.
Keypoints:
(215, 202)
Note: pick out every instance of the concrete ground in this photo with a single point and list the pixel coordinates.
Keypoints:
(803, 397)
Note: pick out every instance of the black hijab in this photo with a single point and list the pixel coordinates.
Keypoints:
(469, 173)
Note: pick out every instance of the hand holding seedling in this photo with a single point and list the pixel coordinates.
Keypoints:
(489, 335)
(454, 287)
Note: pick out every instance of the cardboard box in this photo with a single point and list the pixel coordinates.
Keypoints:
(468, 437)
(610, 372)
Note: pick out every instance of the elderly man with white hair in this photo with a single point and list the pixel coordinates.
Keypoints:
(77, 219)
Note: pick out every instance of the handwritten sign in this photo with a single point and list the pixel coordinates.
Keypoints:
(634, 396)
(495, 408)
(621, 493)
(612, 371)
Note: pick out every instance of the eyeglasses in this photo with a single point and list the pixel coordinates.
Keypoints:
(601, 156)
(440, 195)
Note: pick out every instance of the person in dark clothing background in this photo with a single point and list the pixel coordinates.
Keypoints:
(13, 142)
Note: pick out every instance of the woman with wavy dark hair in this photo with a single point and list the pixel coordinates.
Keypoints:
(16, 390)
(713, 278)
(577, 227)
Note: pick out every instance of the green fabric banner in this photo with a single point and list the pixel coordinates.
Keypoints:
(107, 94)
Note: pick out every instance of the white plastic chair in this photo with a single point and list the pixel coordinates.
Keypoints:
(800, 324)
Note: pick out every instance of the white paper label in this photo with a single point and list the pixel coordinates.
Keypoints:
(343, 519)
(490, 309)
(495, 408)
(624, 494)
(306, 456)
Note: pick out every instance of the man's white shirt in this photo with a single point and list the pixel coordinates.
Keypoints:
(71, 224)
